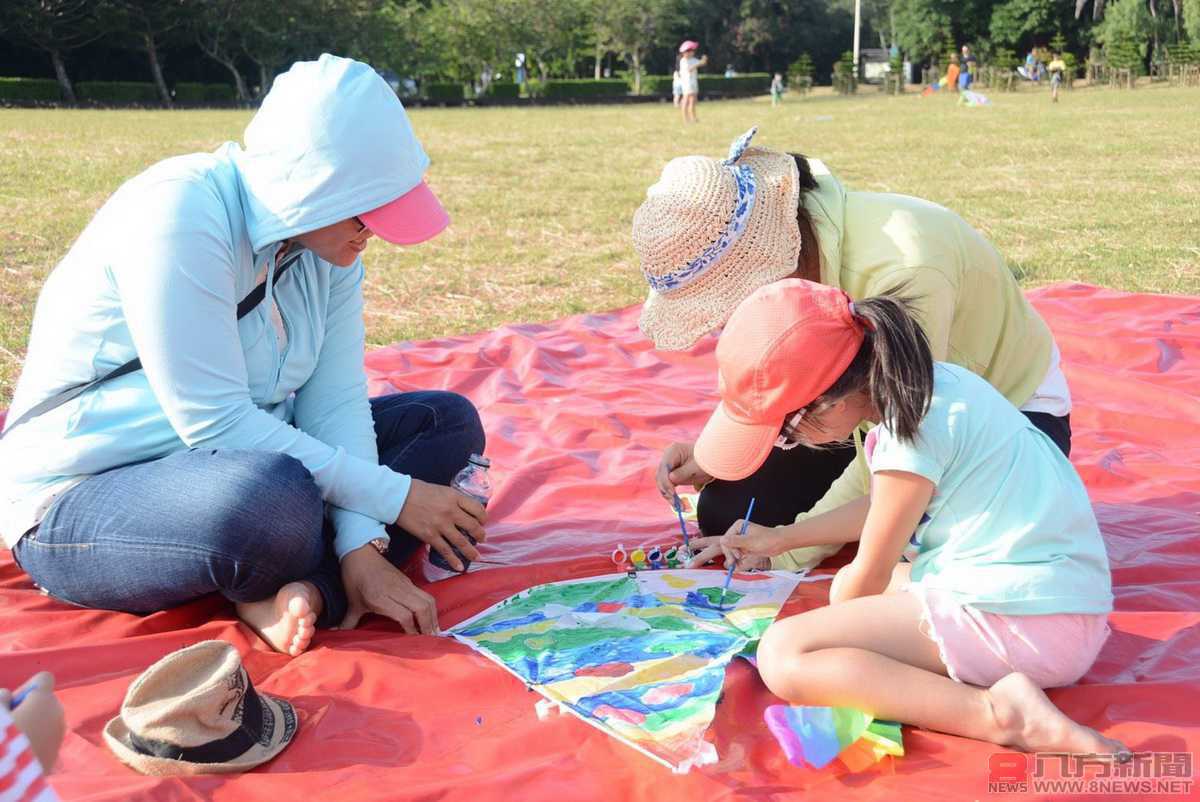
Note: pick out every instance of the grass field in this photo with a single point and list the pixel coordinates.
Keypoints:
(1102, 188)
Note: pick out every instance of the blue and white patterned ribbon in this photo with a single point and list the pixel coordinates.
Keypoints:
(739, 146)
(747, 187)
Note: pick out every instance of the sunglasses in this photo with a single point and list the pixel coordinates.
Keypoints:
(788, 439)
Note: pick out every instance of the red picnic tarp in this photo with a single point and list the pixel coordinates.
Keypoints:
(577, 412)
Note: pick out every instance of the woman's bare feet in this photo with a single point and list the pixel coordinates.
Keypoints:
(288, 620)
(1029, 720)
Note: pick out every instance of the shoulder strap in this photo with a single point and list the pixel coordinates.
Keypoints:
(244, 307)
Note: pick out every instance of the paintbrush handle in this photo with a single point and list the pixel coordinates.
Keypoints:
(19, 697)
(682, 523)
(733, 563)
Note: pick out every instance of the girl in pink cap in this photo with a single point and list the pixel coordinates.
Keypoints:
(192, 416)
(981, 576)
(689, 78)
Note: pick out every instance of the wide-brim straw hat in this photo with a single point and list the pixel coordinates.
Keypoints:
(709, 234)
(195, 711)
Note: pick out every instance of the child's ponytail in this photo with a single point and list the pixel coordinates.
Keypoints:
(900, 371)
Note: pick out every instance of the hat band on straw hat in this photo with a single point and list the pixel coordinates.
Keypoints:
(711, 256)
(257, 729)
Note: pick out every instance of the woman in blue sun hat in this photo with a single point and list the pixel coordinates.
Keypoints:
(240, 454)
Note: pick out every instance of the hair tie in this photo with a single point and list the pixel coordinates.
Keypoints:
(859, 319)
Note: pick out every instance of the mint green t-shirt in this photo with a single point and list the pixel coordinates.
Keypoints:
(1010, 528)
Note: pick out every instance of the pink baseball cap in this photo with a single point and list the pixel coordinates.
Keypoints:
(689, 44)
(414, 217)
(783, 347)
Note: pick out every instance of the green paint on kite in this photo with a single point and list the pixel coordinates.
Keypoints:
(554, 640)
(732, 597)
(695, 706)
(669, 622)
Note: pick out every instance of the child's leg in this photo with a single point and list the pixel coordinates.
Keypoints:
(870, 653)
(901, 577)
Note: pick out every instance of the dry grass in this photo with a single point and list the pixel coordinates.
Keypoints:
(1102, 188)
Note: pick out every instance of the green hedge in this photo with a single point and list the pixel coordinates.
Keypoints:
(504, 89)
(584, 87)
(752, 83)
(29, 89)
(204, 93)
(1184, 54)
(117, 91)
(1125, 54)
(654, 84)
(442, 91)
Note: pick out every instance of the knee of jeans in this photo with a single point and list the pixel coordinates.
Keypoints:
(272, 514)
(457, 412)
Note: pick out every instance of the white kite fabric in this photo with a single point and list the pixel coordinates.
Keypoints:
(641, 655)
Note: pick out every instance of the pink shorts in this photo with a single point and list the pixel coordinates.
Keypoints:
(979, 648)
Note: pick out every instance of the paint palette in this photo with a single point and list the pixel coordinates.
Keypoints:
(651, 558)
(641, 656)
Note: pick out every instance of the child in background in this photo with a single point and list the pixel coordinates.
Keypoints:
(30, 735)
(776, 89)
(1031, 66)
(676, 84)
(689, 78)
(1007, 590)
(952, 73)
(1057, 68)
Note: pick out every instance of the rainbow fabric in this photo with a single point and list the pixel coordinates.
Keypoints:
(816, 736)
(641, 657)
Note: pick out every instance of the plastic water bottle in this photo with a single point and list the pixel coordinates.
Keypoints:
(473, 481)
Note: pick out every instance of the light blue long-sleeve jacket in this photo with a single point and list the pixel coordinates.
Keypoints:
(158, 274)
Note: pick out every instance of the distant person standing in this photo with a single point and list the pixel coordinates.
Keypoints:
(967, 68)
(776, 89)
(522, 75)
(1057, 69)
(689, 78)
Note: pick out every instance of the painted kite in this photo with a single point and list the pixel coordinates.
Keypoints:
(640, 656)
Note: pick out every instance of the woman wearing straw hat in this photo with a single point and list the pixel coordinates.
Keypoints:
(713, 231)
(192, 416)
(689, 78)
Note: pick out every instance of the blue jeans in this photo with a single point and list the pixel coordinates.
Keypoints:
(239, 522)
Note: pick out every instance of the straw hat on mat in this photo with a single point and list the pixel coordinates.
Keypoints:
(196, 712)
(710, 233)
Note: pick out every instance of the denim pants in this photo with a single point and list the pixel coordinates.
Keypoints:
(239, 522)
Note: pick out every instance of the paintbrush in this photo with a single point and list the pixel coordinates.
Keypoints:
(733, 563)
(682, 524)
(16, 700)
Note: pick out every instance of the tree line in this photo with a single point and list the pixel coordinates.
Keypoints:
(247, 42)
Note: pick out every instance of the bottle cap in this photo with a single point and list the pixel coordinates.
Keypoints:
(480, 460)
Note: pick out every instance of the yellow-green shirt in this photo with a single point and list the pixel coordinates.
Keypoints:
(968, 302)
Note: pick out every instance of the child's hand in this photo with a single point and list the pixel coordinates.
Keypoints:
(40, 716)
(750, 551)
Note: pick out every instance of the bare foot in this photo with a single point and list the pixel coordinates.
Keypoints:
(1030, 721)
(287, 621)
